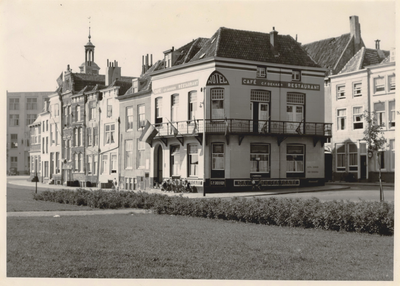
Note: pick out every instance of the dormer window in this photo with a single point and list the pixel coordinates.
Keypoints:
(296, 75)
(168, 60)
(135, 86)
(261, 72)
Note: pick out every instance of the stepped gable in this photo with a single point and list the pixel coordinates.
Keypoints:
(254, 46)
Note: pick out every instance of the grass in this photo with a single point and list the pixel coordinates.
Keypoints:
(21, 199)
(175, 247)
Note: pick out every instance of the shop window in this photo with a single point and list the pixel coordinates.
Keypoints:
(193, 161)
(174, 160)
(392, 113)
(259, 158)
(341, 119)
(174, 107)
(128, 154)
(129, 118)
(295, 159)
(109, 133)
(340, 92)
(340, 157)
(217, 103)
(379, 84)
(379, 108)
(357, 118)
(357, 89)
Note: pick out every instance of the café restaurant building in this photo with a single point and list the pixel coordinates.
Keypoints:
(239, 107)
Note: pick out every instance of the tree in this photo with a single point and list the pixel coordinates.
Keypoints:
(376, 141)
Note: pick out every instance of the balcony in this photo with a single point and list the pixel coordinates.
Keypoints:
(243, 127)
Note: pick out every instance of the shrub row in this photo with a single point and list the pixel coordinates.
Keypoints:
(369, 217)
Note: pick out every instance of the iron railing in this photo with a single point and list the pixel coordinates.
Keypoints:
(243, 126)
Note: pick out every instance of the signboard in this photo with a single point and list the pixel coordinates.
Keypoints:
(313, 168)
(282, 84)
(217, 78)
(177, 86)
(269, 183)
(217, 183)
(197, 183)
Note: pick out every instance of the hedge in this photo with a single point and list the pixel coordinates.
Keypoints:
(362, 216)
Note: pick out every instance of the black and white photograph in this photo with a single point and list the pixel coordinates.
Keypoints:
(198, 142)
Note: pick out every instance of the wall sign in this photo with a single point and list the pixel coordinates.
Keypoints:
(197, 183)
(270, 183)
(178, 86)
(217, 78)
(217, 183)
(283, 84)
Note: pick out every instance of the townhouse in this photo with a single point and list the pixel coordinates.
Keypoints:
(237, 107)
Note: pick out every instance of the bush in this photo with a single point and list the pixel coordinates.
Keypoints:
(368, 217)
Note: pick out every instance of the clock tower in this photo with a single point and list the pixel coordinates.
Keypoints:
(89, 66)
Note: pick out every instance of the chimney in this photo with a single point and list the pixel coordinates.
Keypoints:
(273, 38)
(113, 72)
(355, 32)
(377, 44)
(147, 62)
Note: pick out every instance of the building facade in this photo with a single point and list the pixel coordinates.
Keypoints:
(23, 109)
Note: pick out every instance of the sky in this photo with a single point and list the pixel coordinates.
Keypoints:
(40, 38)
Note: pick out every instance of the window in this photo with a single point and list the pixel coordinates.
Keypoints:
(57, 162)
(95, 136)
(129, 118)
(296, 75)
(141, 116)
(135, 86)
(392, 153)
(46, 168)
(76, 136)
(104, 165)
(128, 154)
(259, 158)
(89, 136)
(80, 162)
(392, 113)
(174, 107)
(109, 107)
(47, 145)
(43, 146)
(113, 159)
(218, 156)
(193, 160)
(379, 84)
(357, 89)
(261, 72)
(56, 110)
(353, 157)
(392, 82)
(14, 140)
(14, 162)
(295, 107)
(109, 133)
(357, 118)
(80, 137)
(92, 110)
(217, 103)
(47, 125)
(379, 108)
(78, 113)
(340, 157)
(294, 159)
(31, 103)
(340, 91)
(14, 103)
(94, 164)
(52, 139)
(192, 105)
(69, 116)
(76, 160)
(158, 110)
(141, 147)
(174, 160)
(341, 119)
(14, 120)
(89, 164)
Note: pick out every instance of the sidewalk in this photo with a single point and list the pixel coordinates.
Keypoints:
(22, 181)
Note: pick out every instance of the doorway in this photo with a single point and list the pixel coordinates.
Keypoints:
(159, 165)
(363, 165)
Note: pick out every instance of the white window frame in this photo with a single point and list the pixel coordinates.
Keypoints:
(296, 75)
(352, 156)
(357, 89)
(158, 110)
(392, 114)
(129, 118)
(217, 103)
(297, 167)
(342, 166)
(392, 83)
(174, 155)
(357, 118)
(259, 157)
(340, 91)
(261, 72)
(215, 157)
(109, 135)
(379, 85)
(340, 117)
(174, 107)
(141, 150)
(380, 115)
(113, 163)
(193, 152)
(129, 154)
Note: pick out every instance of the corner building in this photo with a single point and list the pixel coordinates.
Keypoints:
(238, 107)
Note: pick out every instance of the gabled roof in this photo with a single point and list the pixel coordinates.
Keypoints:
(363, 58)
(327, 52)
(254, 46)
(188, 51)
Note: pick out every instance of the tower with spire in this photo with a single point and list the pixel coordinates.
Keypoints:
(89, 66)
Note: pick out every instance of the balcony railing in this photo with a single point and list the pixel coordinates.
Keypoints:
(243, 127)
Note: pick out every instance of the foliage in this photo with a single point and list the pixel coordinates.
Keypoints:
(373, 132)
(369, 217)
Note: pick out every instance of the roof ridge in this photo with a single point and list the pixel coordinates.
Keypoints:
(330, 38)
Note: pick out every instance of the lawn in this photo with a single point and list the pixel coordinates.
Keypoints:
(176, 247)
(21, 199)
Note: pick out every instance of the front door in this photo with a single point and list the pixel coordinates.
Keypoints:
(363, 163)
(159, 166)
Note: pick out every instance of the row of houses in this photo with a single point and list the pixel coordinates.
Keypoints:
(219, 112)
